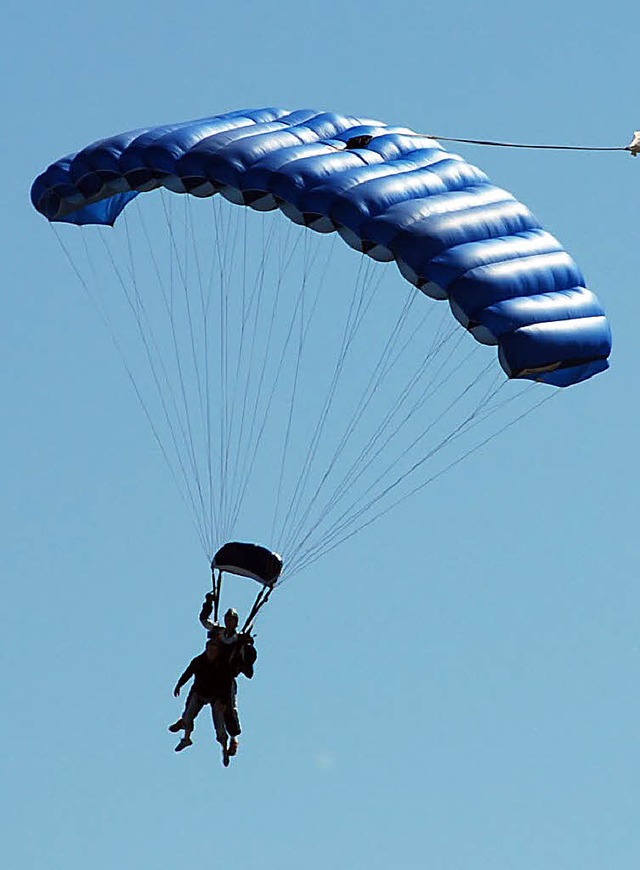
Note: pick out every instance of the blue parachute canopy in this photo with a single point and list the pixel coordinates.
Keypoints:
(390, 193)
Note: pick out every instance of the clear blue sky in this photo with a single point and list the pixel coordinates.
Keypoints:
(455, 688)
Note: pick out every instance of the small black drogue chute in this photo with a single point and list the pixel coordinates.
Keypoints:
(246, 560)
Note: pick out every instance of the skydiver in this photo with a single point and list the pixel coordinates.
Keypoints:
(239, 647)
(213, 684)
(230, 620)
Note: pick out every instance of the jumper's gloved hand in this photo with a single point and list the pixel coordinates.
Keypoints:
(207, 607)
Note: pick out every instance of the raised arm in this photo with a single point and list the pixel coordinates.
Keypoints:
(206, 611)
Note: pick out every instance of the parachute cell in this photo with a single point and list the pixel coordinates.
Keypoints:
(390, 193)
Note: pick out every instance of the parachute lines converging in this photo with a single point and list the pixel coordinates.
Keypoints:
(298, 391)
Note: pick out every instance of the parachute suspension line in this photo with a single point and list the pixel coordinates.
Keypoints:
(356, 509)
(182, 485)
(199, 353)
(350, 325)
(226, 254)
(438, 344)
(353, 323)
(157, 367)
(352, 474)
(224, 235)
(340, 526)
(433, 384)
(276, 376)
(242, 469)
(202, 381)
(234, 438)
(432, 424)
(367, 454)
(216, 493)
(156, 362)
(200, 367)
(237, 473)
(181, 351)
(283, 267)
(227, 247)
(294, 387)
(167, 297)
(152, 352)
(376, 379)
(216, 521)
(205, 296)
(355, 315)
(490, 410)
(309, 560)
(300, 347)
(221, 247)
(218, 279)
(460, 430)
(180, 366)
(251, 319)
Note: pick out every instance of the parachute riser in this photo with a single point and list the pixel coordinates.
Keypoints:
(216, 584)
(261, 599)
(246, 560)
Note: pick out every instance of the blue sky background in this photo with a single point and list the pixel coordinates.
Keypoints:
(455, 688)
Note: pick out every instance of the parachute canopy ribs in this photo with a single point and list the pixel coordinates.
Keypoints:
(390, 193)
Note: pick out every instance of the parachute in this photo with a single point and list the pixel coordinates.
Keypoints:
(246, 560)
(394, 196)
(249, 560)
